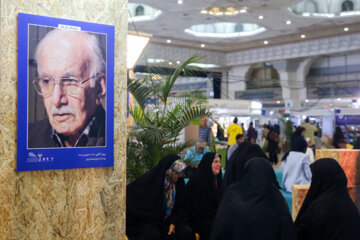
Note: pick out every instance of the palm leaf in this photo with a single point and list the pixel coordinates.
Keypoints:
(180, 121)
(170, 80)
(158, 123)
(140, 91)
(178, 147)
(153, 134)
(140, 116)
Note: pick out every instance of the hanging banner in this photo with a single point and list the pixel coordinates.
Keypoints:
(343, 120)
(65, 94)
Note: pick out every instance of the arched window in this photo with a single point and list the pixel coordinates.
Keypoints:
(263, 76)
(347, 6)
(311, 7)
(139, 11)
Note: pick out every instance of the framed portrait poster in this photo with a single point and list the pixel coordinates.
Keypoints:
(65, 94)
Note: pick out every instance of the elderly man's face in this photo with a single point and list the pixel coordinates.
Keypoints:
(199, 149)
(65, 58)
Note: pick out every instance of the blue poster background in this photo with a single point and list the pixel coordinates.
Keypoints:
(62, 158)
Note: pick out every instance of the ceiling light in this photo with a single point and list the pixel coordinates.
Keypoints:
(307, 100)
(202, 45)
(168, 41)
(303, 36)
(180, 2)
(155, 60)
(339, 99)
(266, 42)
(288, 22)
(203, 65)
(346, 29)
(220, 10)
(278, 102)
(243, 10)
(225, 30)
(170, 63)
(306, 14)
(261, 17)
(177, 62)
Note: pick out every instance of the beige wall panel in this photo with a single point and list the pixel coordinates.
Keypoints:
(62, 204)
(192, 132)
(300, 191)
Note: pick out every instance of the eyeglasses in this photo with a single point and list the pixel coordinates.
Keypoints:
(44, 86)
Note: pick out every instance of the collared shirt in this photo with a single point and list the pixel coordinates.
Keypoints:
(82, 140)
(194, 156)
(205, 134)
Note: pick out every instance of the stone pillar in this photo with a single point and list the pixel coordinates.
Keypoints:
(224, 85)
(61, 204)
(237, 80)
(293, 82)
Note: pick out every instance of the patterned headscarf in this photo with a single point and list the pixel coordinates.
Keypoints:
(169, 186)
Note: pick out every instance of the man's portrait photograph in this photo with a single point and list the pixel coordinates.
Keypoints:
(67, 88)
(65, 93)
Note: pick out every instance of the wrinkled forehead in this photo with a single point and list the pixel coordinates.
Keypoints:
(65, 38)
(64, 48)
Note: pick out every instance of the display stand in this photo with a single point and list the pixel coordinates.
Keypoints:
(349, 161)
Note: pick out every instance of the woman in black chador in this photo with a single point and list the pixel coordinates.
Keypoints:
(155, 204)
(337, 137)
(273, 148)
(328, 211)
(204, 191)
(238, 159)
(253, 208)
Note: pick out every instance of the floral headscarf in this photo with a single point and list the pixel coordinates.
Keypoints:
(169, 186)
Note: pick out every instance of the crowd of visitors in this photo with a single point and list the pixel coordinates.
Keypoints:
(246, 201)
(248, 205)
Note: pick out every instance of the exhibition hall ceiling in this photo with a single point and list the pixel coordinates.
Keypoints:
(280, 23)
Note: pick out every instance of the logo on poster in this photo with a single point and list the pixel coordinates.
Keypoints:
(32, 157)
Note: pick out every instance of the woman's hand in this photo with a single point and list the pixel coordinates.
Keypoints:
(171, 229)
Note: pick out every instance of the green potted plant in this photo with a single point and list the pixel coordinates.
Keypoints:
(159, 119)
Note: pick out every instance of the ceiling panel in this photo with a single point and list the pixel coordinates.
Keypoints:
(176, 18)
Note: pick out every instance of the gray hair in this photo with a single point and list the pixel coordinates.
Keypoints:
(201, 143)
(97, 59)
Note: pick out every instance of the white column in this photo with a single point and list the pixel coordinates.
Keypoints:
(293, 82)
(224, 87)
(236, 80)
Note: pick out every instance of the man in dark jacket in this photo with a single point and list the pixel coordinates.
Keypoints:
(251, 133)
